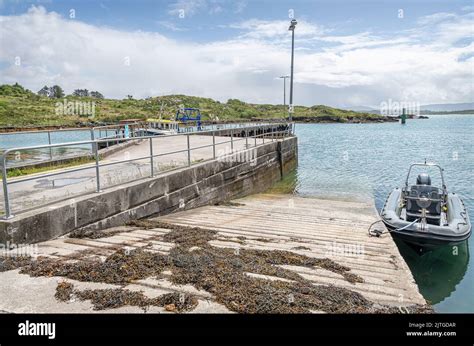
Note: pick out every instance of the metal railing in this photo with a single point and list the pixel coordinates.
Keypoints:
(96, 132)
(118, 131)
(270, 132)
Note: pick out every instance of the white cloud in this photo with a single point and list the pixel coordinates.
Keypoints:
(435, 18)
(426, 64)
(240, 6)
(103, 6)
(216, 9)
(266, 29)
(188, 7)
(170, 25)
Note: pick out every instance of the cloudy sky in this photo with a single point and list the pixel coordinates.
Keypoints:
(348, 53)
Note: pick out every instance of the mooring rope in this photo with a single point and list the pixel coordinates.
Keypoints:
(378, 233)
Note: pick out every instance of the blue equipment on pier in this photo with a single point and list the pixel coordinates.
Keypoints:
(189, 114)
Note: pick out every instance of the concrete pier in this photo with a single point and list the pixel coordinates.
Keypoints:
(129, 192)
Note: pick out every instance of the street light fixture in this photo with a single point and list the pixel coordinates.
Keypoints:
(284, 89)
(292, 29)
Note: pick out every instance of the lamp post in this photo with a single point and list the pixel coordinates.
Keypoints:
(292, 29)
(284, 89)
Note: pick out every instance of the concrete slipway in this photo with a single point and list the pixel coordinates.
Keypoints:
(313, 227)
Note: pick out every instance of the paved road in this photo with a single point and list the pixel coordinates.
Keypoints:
(42, 191)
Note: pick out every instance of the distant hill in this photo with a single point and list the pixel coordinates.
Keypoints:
(467, 111)
(362, 109)
(20, 107)
(441, 108)
(447, 107)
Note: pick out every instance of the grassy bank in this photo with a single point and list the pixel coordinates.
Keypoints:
(22, 108)
(22, 171)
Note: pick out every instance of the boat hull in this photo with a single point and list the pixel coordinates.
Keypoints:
(426, 240)
(457, 230)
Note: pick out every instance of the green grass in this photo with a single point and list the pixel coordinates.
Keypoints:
(22, 171)
(22, 108)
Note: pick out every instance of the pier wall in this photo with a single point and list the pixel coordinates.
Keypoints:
(232, 176)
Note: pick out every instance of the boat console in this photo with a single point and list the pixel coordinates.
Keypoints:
(423, 201)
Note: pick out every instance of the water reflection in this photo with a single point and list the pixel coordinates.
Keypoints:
(437, 272)
(37, 156)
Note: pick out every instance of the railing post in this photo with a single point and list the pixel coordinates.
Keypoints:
(246, 138)
(97, 175)
(255, 135)
(231, 140)
(8, 214)
(213, 145)
(151, 157)
(49, 143)
(189, 151)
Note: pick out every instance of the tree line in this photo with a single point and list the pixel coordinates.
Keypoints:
(57, 92)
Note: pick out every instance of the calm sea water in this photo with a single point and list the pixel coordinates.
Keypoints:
(13, 140)
(19, 140)
(360, 161)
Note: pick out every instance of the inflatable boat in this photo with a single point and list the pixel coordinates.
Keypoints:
(426, 215)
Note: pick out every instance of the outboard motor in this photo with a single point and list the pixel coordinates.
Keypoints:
(423, 186)
(423, 179)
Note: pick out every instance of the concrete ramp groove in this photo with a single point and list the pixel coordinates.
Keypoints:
(317, 228)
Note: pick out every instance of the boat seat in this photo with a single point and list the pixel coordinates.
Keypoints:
(424, 197)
